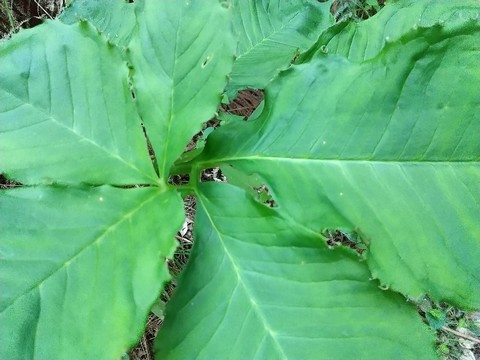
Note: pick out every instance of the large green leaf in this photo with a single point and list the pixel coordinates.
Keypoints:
(81, 268)
(388, 147)
(181, 53)
(364, 40)
(258, 287)
(270, 34)
(66, 113)
(114, 18)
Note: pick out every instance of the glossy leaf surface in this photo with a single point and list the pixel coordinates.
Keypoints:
(259, 287)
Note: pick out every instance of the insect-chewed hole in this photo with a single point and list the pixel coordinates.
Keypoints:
(206, 61)
(264, 196)
(179, 179)
(130, 87)
(6, 183)
(346, 10)
(350, 240)
(213, 174)
(134, 186)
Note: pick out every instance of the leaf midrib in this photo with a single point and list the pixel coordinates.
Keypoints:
(236, 268)
(164, 160)
(209, 162)
(81, 136)
(272, 34)
(78, 253)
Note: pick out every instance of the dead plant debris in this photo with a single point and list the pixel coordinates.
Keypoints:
(26, 14)
(245, 103)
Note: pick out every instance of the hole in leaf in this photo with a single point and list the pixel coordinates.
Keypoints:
(350, 240)
(130, 82)
(6, 183)
(136, 186)
(207, 127)
(179, 179)
(206, 61)
(359, 10)
(264, 196)
(294, 60)
(213, 174)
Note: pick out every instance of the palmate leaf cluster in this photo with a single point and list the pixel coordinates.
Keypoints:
(373, 130)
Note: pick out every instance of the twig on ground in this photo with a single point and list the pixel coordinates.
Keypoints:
(459, 334)
(42, 8)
